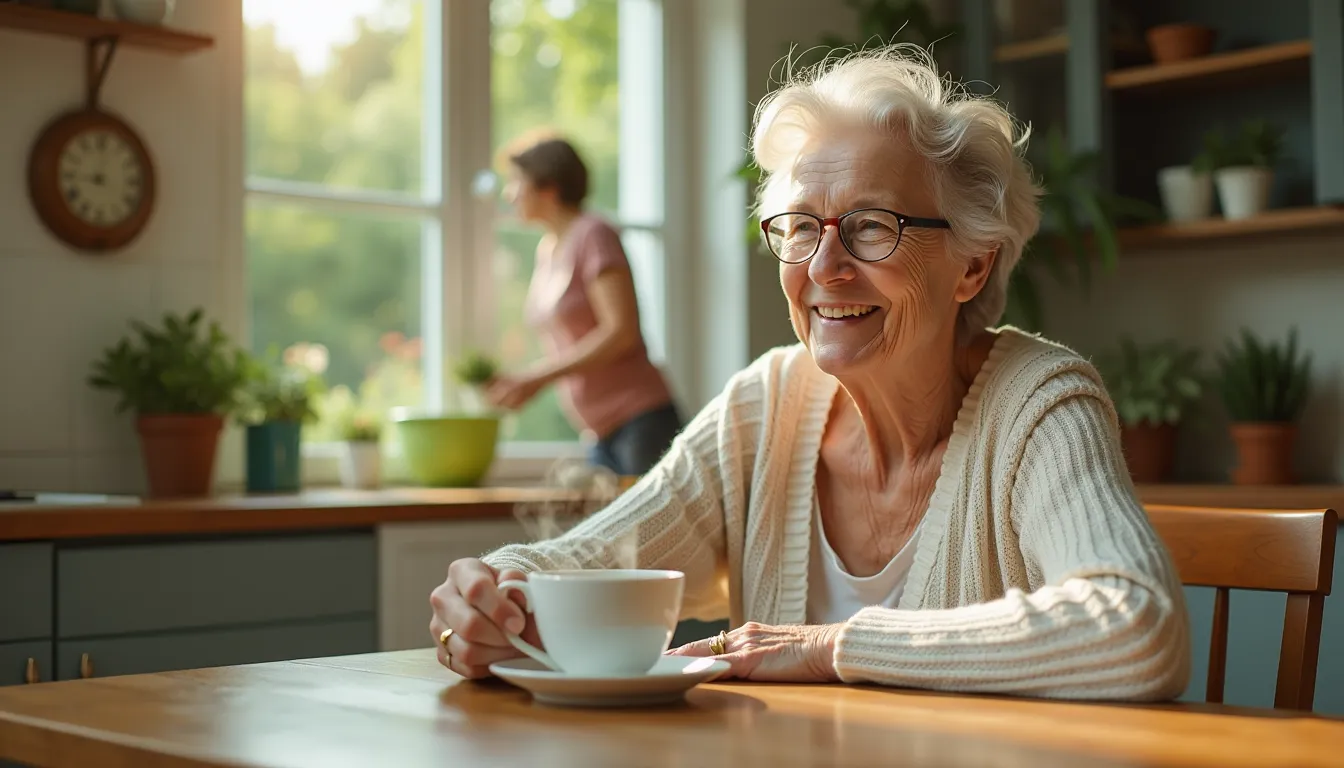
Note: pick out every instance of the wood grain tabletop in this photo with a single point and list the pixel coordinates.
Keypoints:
(403, 709)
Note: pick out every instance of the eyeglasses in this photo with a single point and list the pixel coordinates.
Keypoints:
(869, 234)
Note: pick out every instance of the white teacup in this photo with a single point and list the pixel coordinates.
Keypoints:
(601, 623)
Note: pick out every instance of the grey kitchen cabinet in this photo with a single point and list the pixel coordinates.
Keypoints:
(167, 651)
(113, 607)
(18, 659)
(25, 591)
(115, 589)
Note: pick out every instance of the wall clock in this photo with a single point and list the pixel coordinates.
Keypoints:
(91, 180)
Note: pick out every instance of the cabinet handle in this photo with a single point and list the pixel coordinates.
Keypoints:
(32, 675)
(85, 666)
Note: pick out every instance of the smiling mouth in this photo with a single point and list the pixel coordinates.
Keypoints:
(848, 312)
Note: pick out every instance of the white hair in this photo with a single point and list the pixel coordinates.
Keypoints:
(980, 179)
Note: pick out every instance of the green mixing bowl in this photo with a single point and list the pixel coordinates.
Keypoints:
(448, 451)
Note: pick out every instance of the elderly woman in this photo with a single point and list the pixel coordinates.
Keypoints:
(906, 497)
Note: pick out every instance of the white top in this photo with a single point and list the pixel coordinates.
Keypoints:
(834, 594)
(1037, 572)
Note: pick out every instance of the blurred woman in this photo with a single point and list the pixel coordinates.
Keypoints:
(582, 302)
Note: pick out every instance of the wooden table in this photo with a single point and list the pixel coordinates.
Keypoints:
(402, 709)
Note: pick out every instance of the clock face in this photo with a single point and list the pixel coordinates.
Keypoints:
(91, 180)
(101, 178)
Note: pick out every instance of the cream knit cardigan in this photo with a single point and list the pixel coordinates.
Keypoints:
(1037, 572)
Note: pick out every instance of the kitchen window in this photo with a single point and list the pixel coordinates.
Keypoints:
(378, 248)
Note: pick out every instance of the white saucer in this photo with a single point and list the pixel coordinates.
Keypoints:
(666, 683)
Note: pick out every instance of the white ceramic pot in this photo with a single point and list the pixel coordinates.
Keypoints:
(144, 11)
(1187, 195)
(361, 465)
(1243, 191)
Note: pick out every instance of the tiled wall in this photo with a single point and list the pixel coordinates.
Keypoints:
(58, 308)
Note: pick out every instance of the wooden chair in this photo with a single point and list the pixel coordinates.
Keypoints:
(1289, 551)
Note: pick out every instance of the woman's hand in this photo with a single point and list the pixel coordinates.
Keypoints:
(513, 392)
(469, 602)
(791, 653)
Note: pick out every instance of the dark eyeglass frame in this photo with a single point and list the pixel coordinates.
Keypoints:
(902, 222)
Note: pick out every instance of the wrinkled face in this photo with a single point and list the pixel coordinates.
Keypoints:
(858, 316)
(527, 199)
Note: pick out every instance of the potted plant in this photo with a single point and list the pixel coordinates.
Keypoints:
(1178, 42)
(361, 460)
(1151, 385)
(181, 381)
(276, 402)
(1264, 387)
(1187, 190)
(1244, 171)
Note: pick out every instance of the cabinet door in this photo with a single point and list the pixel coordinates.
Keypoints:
(413, 559)
(15, 661)
(116, 589)
(167, 651)
(25, 591)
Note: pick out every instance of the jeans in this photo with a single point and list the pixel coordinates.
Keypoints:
(639, 443)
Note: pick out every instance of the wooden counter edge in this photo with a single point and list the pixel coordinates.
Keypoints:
(316, 509)
(335, 508)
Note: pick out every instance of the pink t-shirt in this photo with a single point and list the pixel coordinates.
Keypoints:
(598, 399)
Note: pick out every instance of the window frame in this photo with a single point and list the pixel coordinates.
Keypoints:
(457, 206)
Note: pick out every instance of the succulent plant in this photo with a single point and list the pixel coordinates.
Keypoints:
(1264, 381)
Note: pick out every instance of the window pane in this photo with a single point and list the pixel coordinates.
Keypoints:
(343, 292)
(554, 65)
(333, 91)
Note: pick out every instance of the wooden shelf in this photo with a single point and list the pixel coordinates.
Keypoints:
(1278, 221)
(84, 27)
(1051, 45)
(1038, 48)
(1244, 67)
(1242, 496)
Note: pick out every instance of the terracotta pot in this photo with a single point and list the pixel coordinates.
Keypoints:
(1264, 453)
(1150, 451)
(1178, 42)
(179, 453)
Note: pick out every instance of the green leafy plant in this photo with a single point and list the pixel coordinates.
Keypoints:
(1257, 143)
(1264, 381)
(284, 393)
(475, 368)
(356, 426)
(1151, 383)
(1079, 220)
(180, 367)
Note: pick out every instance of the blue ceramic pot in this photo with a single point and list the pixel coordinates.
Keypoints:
(273, 457)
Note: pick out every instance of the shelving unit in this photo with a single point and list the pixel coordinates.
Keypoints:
(92, 29)
(1265, 63)
(1276, 221)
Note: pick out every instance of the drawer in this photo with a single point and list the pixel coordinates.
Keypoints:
(14, 661)
(126, 588)
(167, 651)
(25, 591)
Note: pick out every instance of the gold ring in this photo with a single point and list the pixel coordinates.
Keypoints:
(718, 646)
(443, 638)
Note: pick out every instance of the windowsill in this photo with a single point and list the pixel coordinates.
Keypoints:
(515, 462)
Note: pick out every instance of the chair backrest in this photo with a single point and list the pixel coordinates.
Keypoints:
(1277, 550)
